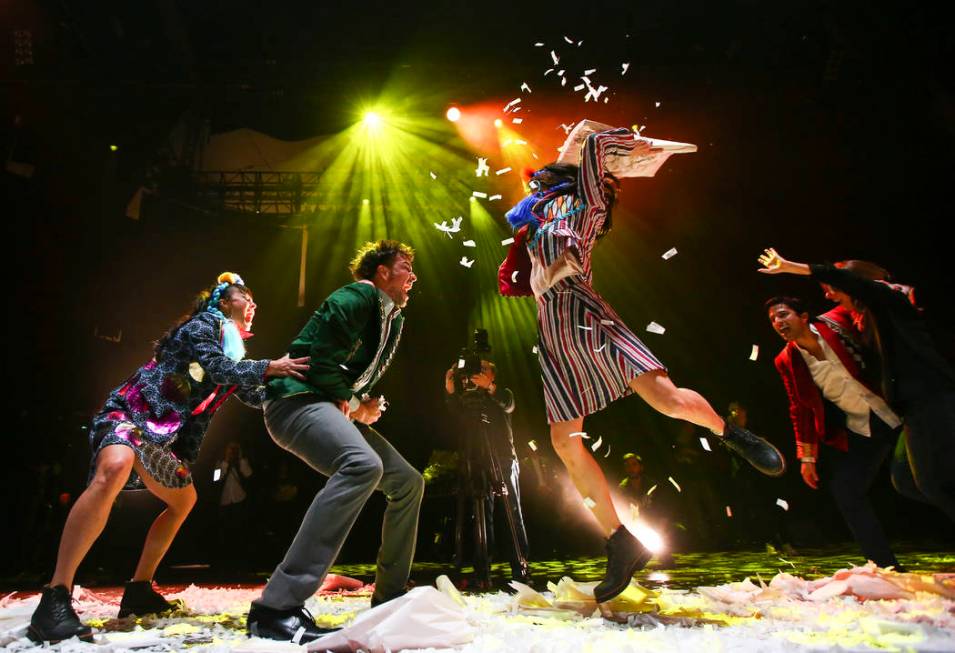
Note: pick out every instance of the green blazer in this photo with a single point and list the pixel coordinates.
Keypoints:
(344, 340)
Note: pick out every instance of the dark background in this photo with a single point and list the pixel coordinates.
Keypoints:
(825, 129)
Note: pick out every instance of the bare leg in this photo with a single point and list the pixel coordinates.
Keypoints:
(585, 472)
(179, 502)
(88, 515)
(656, 388)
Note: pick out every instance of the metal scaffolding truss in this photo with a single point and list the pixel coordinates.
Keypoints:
(254, 191)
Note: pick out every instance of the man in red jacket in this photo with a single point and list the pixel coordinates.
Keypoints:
(831, 402)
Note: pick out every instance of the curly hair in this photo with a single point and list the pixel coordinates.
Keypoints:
(373, 254)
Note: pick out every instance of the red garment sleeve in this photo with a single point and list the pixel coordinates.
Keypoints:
(804, 428)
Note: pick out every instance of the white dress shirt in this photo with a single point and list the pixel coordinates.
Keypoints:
(839, 387)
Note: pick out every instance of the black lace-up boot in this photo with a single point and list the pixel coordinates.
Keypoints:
(55, 619)
(625, 557)
(753, 449)
(139, 598)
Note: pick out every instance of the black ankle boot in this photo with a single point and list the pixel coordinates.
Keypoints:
(139, 598)
(55, 619)
(283, 625)
(625, 557)
(753, 449)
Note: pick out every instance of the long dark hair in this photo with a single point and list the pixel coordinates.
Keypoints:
(199, 304)
(567, 175)
(872, 272)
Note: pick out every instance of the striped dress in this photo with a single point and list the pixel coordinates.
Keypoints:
(587, 354)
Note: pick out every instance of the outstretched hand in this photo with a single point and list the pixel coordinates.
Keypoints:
(773, 263)
(287, 366)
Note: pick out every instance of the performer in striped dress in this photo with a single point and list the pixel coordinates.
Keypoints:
(588, 356)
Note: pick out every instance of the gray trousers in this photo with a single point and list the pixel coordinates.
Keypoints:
(357, 460)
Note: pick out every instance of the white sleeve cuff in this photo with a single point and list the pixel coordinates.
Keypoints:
(354, 403)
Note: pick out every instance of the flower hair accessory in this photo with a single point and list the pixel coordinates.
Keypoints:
(232, 344)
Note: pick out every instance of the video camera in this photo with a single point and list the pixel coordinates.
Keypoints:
(469, 361)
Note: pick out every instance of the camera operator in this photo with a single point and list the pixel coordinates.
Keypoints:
(489, 464)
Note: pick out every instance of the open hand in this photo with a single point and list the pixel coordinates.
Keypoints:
(368, 412)
(286, 366)
(773, 263)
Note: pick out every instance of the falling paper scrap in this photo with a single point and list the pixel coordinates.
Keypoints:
(554, 57)
(461, 363)
(502, 171)
(600, 348)
(651, 490)
(590, 503)
(607, 455)
(507, 241)
(517, 121)
(675, 484)
(782, 503)
(596, 444)
(525, 87)
(569, 40)
(580, 87)
(705, 443)
(606, 322)
(566, 127)
(514, 276)
(594, 93)
(494, 197)
(216, 475)
(453, 229)
(579, 434)
(478, 193)
(653, 327)
(729, 511)
(433, 176)
(482, 168)
(469, 243)
(625, 67)
(754, 354)
(534, 349)
(532, 444)
(585, 328)
(465, 262)
(656, 104)
(590, 71)
(642, 162)
(670, 253)
(515, 101)
(538, 45)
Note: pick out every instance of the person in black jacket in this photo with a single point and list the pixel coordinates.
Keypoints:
(916, 380)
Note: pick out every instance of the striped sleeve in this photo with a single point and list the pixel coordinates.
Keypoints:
(593, 167)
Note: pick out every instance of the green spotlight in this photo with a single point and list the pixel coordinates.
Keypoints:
(372, 119)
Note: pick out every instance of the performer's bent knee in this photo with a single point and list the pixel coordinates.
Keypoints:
(113, 466)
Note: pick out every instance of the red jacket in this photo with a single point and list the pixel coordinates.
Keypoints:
(807, 406)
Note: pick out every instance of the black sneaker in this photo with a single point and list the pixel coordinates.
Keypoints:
(626, 555)
(753, 449)
(284, 625)
(55, 619)
(139, 598)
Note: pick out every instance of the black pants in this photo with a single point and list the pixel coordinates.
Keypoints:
(923, 467)
(849, 476)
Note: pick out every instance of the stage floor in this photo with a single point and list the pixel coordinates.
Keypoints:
(697, 604)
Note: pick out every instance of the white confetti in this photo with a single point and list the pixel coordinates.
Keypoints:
(585, 328)
(670, 253)
(216, 475)
(656, 104)
(607, 455)
(548, 72)
(526, 88)
(590, 503)
(515, 109)
(482, 168)
(507, 241)
(579, 434)
(606, 100)
(596, 445)
(461, 363)
(520, 142)
(534, 155)
(600, 348)
(532, 445)
(494, 197)
(653, 327)
(554, 57)
(563, 81)
(651, 490)
(465, 262)
(606, 322)
(453, 229)
(469, 243)
(625, 67)
(594, 93)
(782, 503)
(675, 484)
(480, 194)
(566, 127)
(560, 73)
(539, 44)
(433, 176)
(729, 511)
(515, 101)
(754, 354)
(534, 349)
(579, 87)
(502, 171)
(705, 443)
(590, 71)
(517, 121)
(569, 40)
(514, 280)
(580, 43)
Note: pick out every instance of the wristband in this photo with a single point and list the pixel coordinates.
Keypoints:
(807, 459)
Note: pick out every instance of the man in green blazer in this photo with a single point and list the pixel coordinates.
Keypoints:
(326, 421)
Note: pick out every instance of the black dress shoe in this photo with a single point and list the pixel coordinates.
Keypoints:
(284, 625)
(55, 619)
(625, 557)
(753, 449)
(139, 598)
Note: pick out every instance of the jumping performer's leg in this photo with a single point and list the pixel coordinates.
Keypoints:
(584, 471)
(88, 515)
(179, 502)
(656, 388)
